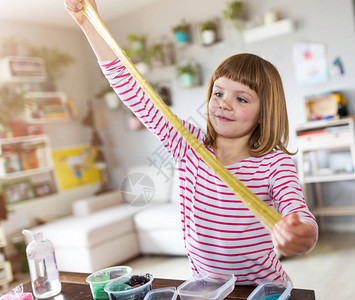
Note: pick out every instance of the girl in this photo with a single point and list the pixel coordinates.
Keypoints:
(247, 132)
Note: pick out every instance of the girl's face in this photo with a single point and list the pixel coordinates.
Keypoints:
(234, 109)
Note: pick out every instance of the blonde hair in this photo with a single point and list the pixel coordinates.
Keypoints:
(263, 78)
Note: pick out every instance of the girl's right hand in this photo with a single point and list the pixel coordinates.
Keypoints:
(74, 8)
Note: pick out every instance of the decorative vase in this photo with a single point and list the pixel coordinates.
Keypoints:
(142, 67)
(187, 79)
(182, 37)
(208, 37)
(112, 100)
(137, 46)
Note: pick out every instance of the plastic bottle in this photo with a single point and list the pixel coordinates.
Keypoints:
(43, 266)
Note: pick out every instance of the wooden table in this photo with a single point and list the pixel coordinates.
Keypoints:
(74, 287)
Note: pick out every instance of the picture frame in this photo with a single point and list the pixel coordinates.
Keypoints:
(43, 188)
(18, 191)
(22, 69)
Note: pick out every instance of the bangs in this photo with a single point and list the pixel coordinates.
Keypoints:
(247, 69)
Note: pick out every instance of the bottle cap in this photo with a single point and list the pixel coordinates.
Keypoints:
(32, 235)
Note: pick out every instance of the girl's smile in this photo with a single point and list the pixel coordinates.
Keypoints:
(223, 118)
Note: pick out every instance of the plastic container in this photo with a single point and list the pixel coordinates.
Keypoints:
(168, 293)
(99, 279)
(43, 266)
(122, 288)
(271, 291)
(206, 287)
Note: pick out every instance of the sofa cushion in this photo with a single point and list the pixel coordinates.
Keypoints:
(150, 183)
(165, 216)
(95, 203)
(91, 230)
(159, 230)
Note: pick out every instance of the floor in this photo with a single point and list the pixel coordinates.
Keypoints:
(329, 269)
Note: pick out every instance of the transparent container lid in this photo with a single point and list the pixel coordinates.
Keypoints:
(271, 291)
(207, 287)
(168, 293)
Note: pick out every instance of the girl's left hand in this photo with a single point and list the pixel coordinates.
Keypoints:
(293, 237)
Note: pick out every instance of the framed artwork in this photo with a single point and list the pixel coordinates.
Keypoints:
(311, 63)
(43, 188)
(18, 191)
(22, 69)
(75, 166)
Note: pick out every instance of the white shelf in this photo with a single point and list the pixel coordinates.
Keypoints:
(335, 211)
(324, 123)
(327, 143)
(329, 178)
(27, 138)
(26, 173)
(41, 171)
(268, 31)
(331, 135)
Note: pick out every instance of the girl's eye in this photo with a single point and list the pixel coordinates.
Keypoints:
(218, 94)
(242, 100)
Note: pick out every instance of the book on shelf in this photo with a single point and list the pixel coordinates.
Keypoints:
(23, 156)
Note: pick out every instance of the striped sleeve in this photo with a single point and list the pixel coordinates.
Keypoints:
(133, 96)
(286, 189)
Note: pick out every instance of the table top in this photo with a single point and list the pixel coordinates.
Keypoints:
(75, 287)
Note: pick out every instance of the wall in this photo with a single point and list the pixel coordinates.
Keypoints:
(63, 134)
(325, 21)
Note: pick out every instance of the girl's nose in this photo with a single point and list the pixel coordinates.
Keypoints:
(224, 104)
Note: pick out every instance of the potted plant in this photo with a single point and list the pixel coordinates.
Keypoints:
(156, 53)
(235, 12)
(138, 52)
(137, 42)
(12, 104)
(189, 74)
(181, 31)
(208, 31)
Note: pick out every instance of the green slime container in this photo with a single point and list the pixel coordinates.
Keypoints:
(101, 278)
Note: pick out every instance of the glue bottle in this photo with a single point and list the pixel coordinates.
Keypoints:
(43, 266)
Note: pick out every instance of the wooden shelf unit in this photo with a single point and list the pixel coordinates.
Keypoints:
(44, 171)
(332, 136)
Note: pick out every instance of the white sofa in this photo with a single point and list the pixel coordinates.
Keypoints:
(104, 230)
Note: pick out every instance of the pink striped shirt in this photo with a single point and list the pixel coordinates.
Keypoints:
(222, 236)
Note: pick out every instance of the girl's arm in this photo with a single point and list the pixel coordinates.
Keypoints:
(293, 237)
(128, 89)
(99, 46)
(297, 232)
